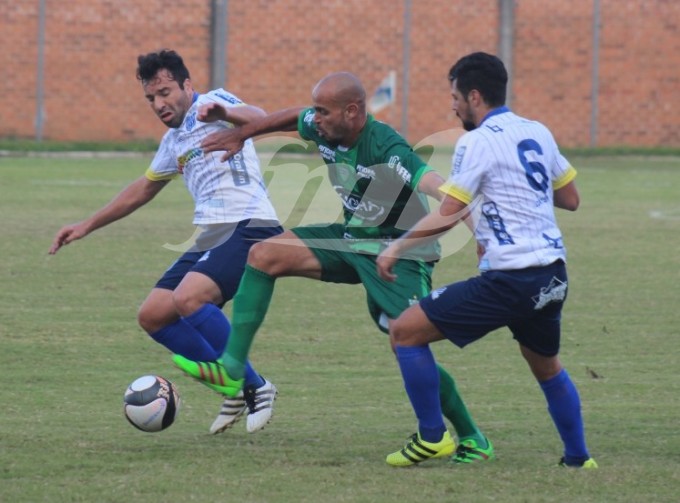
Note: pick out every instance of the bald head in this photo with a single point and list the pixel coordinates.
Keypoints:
(342, 88)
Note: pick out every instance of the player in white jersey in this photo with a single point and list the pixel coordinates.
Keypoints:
(232, 210)
(507, 173)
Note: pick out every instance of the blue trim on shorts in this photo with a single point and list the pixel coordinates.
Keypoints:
(527, 301)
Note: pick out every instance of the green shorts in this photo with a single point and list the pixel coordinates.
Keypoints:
(341, 264)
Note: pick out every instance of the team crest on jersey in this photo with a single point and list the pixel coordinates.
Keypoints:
(556, 291)
(190, 121)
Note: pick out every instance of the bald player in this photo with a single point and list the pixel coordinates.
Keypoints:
(382, 185)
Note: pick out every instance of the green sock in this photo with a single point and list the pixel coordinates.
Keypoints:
(250, 307)
(454, 409)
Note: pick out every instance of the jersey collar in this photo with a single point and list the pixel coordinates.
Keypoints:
(495, 111)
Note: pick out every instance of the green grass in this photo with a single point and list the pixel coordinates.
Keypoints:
(69, 345)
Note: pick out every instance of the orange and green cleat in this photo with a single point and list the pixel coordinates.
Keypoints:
(212, 374)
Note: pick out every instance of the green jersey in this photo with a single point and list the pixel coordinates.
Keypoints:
(377, 181)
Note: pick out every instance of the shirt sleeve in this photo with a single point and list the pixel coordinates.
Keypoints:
(163, 165)
(563, 172)
(466, 170)
(306, 128)
(403, 161)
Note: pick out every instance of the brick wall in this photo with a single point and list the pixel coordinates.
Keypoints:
(278, 49)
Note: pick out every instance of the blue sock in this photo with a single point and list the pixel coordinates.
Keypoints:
(564, 406)
(183, 339)
(215, 328)
(421, 380)
(213, 325)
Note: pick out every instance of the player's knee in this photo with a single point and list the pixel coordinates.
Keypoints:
(263, 256)
(399, 335)
(148, 319)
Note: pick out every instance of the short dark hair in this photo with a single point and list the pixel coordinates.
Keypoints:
(484, 72)
(148, 65)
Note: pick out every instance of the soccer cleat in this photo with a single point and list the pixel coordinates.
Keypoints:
(260, 402)
(470, 452)
(212, 374)
(587, 464)
(417, 450)
(231, 411)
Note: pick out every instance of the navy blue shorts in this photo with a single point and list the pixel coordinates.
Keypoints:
(527, 301)
(221, 253)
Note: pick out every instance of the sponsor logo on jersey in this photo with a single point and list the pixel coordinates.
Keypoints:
(229, 98)
(308, 118)
(204, 257)
(436, 293)
(327, 153)
(365, 172)
(496, 223)
(187, 157)
(366, 210)
(239, 173)
(458, 159)
(395, 164)
(556, 291)
(553, 242)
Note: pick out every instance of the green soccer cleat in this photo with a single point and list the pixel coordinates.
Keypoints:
(469, 452)
(417, 450)
(587, 464)
(212, 374)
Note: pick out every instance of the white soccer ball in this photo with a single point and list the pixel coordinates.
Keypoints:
(151, 403)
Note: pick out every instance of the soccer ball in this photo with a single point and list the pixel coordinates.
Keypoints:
(151, 403)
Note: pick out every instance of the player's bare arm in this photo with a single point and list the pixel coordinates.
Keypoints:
(231, 140)
(567, 197)
(237, 115)
(135, 195)
(431, 226)
(429, 184)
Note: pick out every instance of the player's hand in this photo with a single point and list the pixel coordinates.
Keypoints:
(67, 234)
(228, 140)
(384, 263)
(211, 112)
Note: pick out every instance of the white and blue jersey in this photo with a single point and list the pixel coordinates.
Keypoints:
(506, 170)
(223, 192)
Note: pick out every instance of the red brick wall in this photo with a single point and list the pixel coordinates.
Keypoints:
(278, 49)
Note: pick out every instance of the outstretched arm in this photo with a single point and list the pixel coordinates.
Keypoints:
(237, 115)
(231, 140)
(138, 193)
(432, 225)
(429, 184)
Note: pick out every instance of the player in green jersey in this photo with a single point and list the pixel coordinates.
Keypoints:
(383, 186)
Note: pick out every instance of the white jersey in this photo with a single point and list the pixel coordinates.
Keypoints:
(223, 192)
(506, 171)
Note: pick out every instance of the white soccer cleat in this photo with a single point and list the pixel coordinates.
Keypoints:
(260, 402)
(231, 411)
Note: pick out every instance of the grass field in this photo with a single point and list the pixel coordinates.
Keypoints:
(69, 345)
